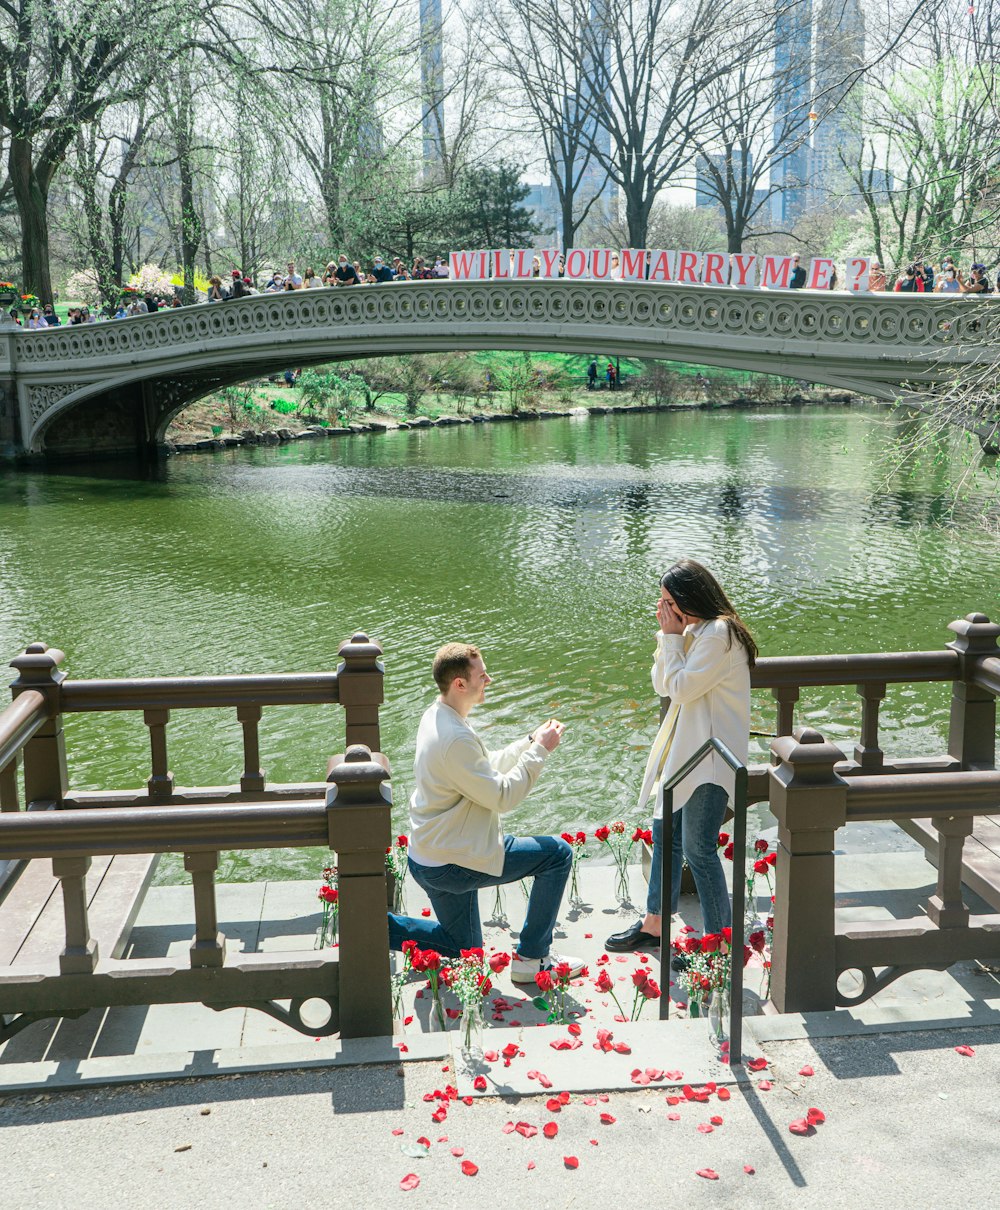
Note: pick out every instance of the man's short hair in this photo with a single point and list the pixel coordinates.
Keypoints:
(452, 660)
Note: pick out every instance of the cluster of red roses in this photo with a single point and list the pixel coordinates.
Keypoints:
(616, 837)
(708, 962)
(646, 988)
(466, 977)
(329, 896)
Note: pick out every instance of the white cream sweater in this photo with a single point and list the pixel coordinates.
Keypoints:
(462, 790)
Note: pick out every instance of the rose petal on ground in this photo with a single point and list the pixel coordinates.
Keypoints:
(705, 1128)
(491, 1056)
(466, 1100)
(967, 1051)
(550, 1130)
(453, 1013)
(563, 1098)
(806, 1071)
(425, 1141)
(479, 1083)
(603, 1098)
(544, 1080)
(749, 1169)
(425, 911)
(458, 1152)
(654, 1073)
(709, 1174)
(590, 1100)
(640, 1077)
(756, 1064)
(508, 1127)
(443, 1139)
(673, 1100)
(588, 936)
(402, 1047)
(531, 1164)
(553, 1105)
(571, 1161)
(723, 1094)
(398, 1130)
(510, 1050)
(526, 1129)
(673, 1117)
(469, 1168)
(765, 1085)
(574, 1029)
(716, 1120)
(594, 1143)
(800, 1126)
(608, 1119)
(410, 1181)
(815, 1117)
(622, 1048)
(439, 1114)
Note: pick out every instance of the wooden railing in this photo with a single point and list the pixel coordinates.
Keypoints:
(814, 788)
(351, 815)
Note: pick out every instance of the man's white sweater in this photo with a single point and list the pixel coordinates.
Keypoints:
(462, 790)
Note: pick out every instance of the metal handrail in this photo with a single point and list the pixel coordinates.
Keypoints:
(739, 897)
(19, 722)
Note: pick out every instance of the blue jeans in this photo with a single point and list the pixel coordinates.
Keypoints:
(696, 837)
(454, 894)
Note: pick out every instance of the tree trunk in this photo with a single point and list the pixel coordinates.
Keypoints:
(190, 227)
(32, 199)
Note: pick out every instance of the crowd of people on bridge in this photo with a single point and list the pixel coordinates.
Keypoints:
(917, 278)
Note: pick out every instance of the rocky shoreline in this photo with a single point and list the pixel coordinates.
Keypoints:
(281, 436)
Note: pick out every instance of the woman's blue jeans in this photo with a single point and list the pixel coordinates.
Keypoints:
(454, 894)
(696, 837)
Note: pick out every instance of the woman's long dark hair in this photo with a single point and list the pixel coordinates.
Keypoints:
(697, 592)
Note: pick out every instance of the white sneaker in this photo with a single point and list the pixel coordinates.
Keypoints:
(524, 970)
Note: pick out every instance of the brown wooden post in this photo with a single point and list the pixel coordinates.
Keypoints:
(45, 775)
(208, 945)
(786, 696)
(867, 753)
(161, 781)
(358, 818)
(809, 801)
(8, 787)
(253, 774)
(80, 955)
(360, 690)
(947, 909)
(972, 732)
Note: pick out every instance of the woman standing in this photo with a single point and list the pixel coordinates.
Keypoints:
(704, 653)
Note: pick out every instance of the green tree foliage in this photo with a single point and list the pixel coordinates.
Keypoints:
(491, 209)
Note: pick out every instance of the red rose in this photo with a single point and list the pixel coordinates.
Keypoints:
(499, 963)
(619, 827)
(710, 943)
(544, 981)
(761, 846)
(760, 866)
(329, 893)
(771, 859)
(485, 986)
(563, 970)
(650, 989)
(769, 923)
(723, 839)
(747, 952)
(691, 945)
(402, 842)
(728, 852)
(581, 838)
(602, 833)
(475, 952)
(603, 982)
(426, 960)
(727, 935)
(408, 947)
(567, 836)
(640, 977)
(757, 940)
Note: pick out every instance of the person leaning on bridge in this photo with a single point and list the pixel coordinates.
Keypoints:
(704, 653)
(457, 843)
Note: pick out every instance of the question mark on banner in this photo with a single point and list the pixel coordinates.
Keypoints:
(858, 274)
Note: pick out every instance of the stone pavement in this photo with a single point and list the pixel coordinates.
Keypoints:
(97, 1105)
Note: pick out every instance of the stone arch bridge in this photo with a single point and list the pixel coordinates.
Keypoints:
(114, 387)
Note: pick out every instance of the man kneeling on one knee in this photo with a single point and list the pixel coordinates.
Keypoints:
(457, 843)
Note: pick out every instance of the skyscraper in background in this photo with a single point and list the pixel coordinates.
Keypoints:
(839, 57)
(792, 101)
(431, 84)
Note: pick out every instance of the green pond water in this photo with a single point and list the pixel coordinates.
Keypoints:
(542, 542)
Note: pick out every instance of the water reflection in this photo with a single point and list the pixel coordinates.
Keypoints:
(543, 542)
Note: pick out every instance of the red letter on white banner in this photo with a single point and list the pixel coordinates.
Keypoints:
(776, 272)
(820, 273)
(689, 268)
(661, 265)
(634, 264)
(500, 263)
(716, 269)
(743, 271)
(858, 274)
(462, 266)
(550, 262)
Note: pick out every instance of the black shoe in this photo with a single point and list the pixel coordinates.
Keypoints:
(680, 963)
(632, 939)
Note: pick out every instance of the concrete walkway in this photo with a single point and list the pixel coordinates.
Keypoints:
(909, 1121)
